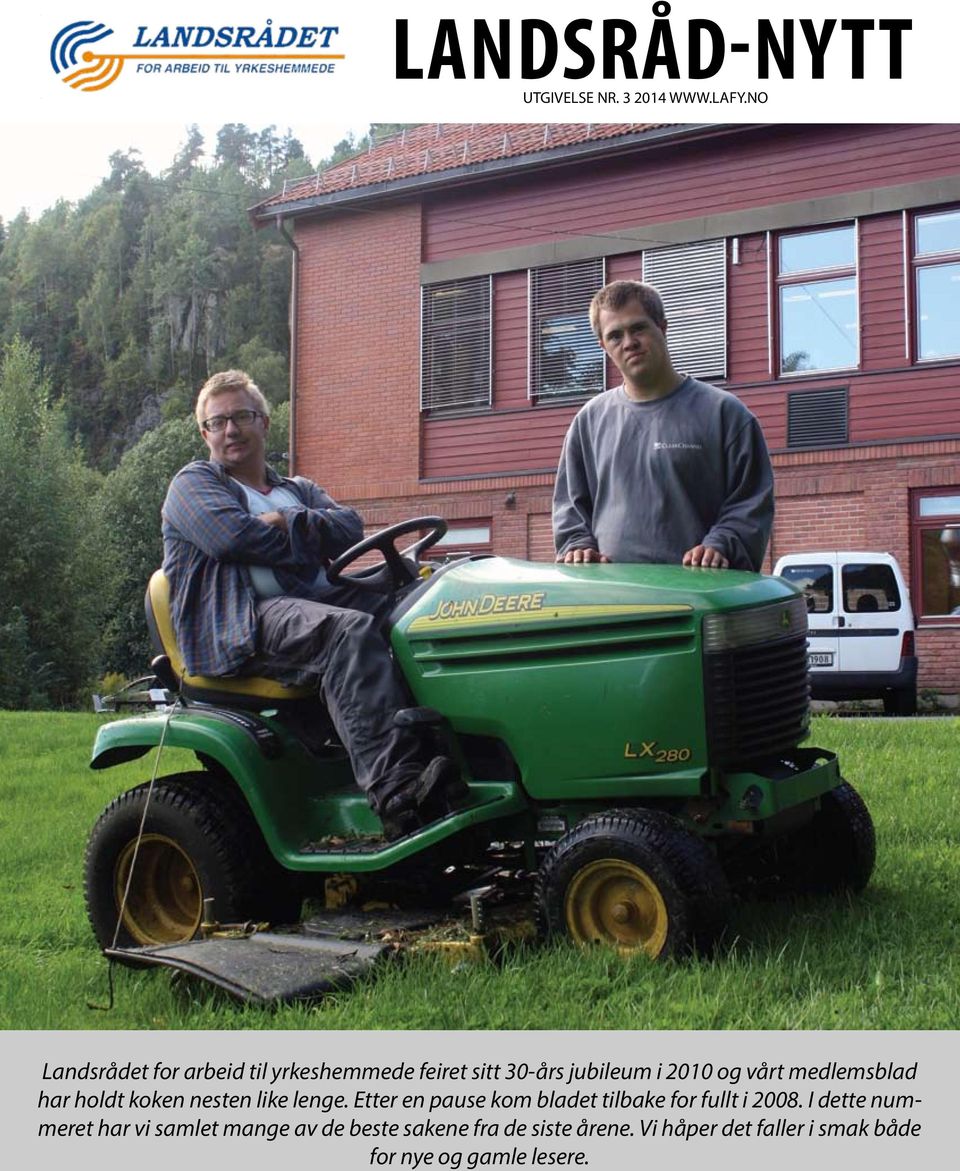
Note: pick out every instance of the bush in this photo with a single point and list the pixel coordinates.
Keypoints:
(49, 602)
(129, 521)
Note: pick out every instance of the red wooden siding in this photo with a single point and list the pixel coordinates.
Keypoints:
(783, 165)
(906, 404)
(496, 444)
(769, 404)
(884, 408)
(882, 313)
(626, 267)
(510, 340)
(747, 308)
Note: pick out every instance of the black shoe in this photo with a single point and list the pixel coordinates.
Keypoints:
(433, 795)
(400, 817)
(440, 788)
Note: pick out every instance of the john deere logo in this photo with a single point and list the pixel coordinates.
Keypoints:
(785, 619)
(85, 68)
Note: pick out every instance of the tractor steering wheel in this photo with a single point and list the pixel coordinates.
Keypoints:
(400, 567)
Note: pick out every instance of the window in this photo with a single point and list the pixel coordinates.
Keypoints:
(936, 260)
(816, 581)
(462, 538)
(692, 281)
(455, 345)
(935, 527)
(565, 358)
(817, 296)
(869, 588)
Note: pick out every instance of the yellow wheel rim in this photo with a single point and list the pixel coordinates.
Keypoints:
(165, 902)
(612, 901)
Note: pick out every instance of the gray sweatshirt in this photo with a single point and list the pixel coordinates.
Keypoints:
(646, 481)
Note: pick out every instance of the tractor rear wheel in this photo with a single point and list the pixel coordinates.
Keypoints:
(834, 851)
(634, 879)
(199, 841)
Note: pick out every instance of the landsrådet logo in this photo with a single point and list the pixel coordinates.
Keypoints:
(85, 68)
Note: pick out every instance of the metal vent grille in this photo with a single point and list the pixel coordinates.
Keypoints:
(817, 418)
(758, 700)
(692, 281)
(565, 358)
(455, 341)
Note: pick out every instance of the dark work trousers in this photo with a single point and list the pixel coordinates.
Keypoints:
(343, 652)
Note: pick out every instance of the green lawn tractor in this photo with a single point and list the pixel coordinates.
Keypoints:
(632, 736)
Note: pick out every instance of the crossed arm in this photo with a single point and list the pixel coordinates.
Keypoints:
(201, 509)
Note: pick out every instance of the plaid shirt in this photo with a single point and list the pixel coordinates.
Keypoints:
(210, 539)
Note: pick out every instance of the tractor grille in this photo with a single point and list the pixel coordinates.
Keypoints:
(757, 700)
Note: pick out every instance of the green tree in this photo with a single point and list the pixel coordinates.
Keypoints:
(187, 157)
(49, 601)
(266, 367)
(129, 521)
(237, 146)
(134, 295)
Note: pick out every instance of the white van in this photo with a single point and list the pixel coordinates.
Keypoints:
(861, 627)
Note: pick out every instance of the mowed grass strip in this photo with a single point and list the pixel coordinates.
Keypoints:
(886, 959)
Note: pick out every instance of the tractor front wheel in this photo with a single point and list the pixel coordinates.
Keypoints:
(634, 879)
(835, 851)
(199, 840)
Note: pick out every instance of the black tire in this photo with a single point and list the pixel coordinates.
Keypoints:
(635, 879)
(900, 703)
(835, 851)
(199, 841)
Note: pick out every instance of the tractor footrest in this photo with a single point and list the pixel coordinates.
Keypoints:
(266, 966)
(338, 845)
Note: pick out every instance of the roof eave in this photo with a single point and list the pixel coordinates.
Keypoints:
(263, 213)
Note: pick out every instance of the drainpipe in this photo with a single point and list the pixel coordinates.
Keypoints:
(294, 312)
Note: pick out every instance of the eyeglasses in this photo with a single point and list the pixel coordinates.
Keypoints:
(241, 418)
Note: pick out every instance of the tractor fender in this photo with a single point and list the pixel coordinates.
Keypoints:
(268, 766)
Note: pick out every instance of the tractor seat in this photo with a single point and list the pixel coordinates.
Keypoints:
(246, 691)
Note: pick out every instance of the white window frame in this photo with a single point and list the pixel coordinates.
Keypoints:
(922, 262)
(812, 277)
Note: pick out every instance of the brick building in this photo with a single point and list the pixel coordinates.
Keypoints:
(440, 345)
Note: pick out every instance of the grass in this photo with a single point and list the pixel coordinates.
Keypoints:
(887, 959)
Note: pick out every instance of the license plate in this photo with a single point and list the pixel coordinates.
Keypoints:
(821, 658)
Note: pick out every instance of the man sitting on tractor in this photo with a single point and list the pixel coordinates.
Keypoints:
(244, 552)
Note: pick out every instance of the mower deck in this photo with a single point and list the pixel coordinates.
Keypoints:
(331, 950)
(266, 966)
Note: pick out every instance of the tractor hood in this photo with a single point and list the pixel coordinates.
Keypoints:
(616, 673)
(509, 596)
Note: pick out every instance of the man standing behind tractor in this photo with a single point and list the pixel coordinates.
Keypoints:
(663, 468)
(244, 552)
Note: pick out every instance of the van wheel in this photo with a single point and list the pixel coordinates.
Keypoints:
(636, 880)
(835, 851)
(900, 703)
(199, 841)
